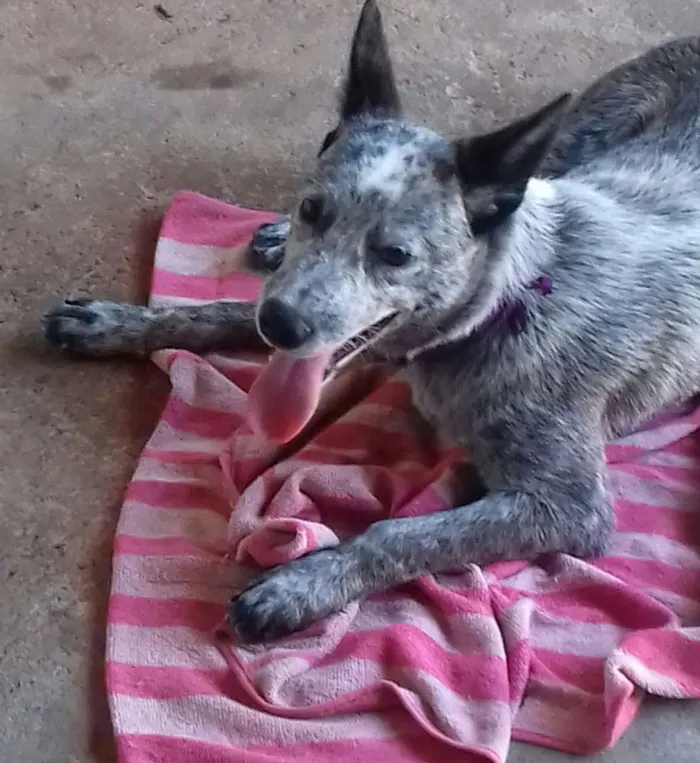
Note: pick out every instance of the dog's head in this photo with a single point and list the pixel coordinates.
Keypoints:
(387, 225)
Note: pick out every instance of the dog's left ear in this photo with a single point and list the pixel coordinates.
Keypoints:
(370, 86)
(494, 169)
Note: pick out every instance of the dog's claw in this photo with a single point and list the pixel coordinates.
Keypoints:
(267, 246)
(289, 598)
(254, 617)
(93, 327)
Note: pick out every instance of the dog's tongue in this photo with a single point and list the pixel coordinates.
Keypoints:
(285, 395)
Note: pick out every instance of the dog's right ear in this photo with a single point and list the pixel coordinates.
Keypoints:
(370, 87)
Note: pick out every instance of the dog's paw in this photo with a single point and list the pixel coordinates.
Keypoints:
(95, 327)
(290, 597)
(267, 246)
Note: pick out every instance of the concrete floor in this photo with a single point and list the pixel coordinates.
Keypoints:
(106, 108)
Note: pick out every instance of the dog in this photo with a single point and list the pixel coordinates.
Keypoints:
(537, 286)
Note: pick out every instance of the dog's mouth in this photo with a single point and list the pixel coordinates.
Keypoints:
(358, 344)
(286, 393)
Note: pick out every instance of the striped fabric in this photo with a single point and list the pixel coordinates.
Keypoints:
(450, 667)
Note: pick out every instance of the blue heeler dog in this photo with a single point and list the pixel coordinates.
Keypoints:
(539, 286)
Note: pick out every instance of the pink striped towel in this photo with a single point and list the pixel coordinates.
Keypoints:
(451, 667)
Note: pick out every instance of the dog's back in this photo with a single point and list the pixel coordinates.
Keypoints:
(635, 136)
(644, 107)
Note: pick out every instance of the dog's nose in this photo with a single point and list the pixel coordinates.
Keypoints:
(282, 326)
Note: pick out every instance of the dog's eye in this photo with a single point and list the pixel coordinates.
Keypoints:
(310, 210)
(395, 256)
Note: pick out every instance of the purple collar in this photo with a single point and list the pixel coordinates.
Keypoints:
(507, 319)
(510, 317)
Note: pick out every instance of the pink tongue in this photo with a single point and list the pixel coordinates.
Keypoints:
(285, 395)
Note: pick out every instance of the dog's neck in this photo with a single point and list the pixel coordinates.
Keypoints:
(510, 262)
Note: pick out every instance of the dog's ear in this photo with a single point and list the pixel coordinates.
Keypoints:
(329, 140)
(370, 87)
(494, 169)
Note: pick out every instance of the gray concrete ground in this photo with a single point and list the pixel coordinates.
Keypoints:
(106, 108)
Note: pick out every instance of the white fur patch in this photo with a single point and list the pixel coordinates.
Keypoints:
(532, 221)
(540, 190)
(385, 174)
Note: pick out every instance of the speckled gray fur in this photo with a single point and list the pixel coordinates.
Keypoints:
(602, 197)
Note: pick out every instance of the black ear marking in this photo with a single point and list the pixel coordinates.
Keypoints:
(329, 140)
(370, 87)
(513, 153)
(443, 165)
(487, 214)
(494, 169)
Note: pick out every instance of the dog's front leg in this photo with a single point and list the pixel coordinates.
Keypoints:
(507, 525)
(557, 503)
(100, 328)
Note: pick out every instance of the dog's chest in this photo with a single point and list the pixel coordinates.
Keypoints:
(462, 390)
(440, 399)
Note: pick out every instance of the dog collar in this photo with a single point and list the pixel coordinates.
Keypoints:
(511, 315)
(509, 318)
